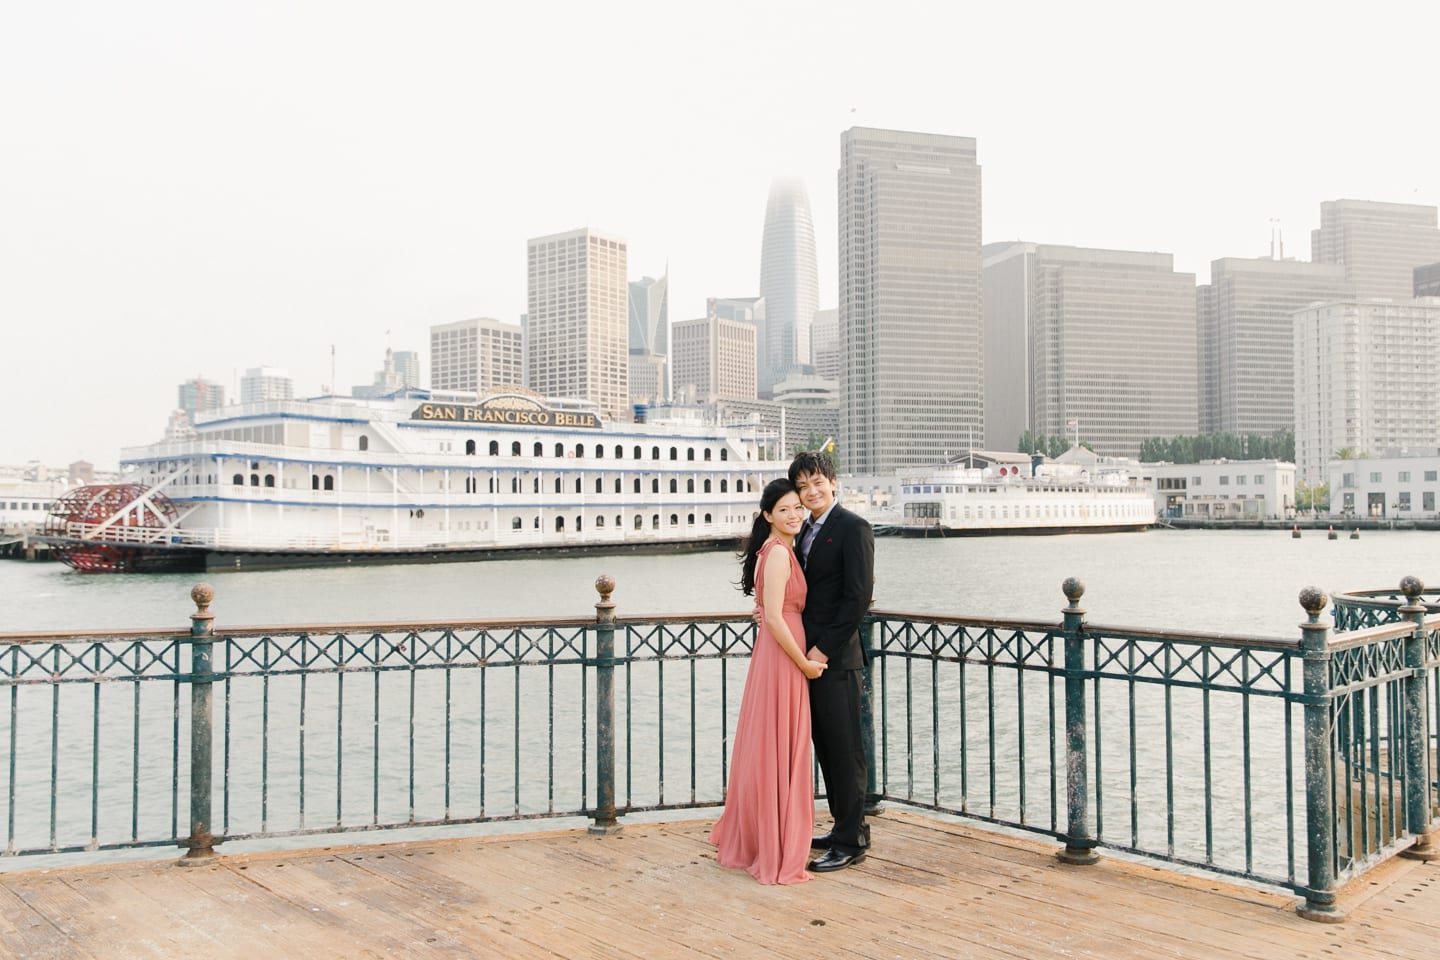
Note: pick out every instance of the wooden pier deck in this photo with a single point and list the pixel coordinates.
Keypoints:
(932, 888)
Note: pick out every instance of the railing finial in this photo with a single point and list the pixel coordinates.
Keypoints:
(604, 585)
(1412, 587)
(202, 594)
(1074, 589)
(1313, 599)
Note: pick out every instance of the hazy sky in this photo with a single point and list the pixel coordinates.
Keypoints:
(195, 188)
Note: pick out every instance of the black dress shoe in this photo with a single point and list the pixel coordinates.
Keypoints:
(821, 842)
(835, 860)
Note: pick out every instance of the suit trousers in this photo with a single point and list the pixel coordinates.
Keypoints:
(840, 751)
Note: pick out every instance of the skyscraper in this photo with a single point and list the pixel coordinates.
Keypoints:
(714, 360)
(1246, 338)
(475, 356)
(1380, 244)
(911, 369)
(578, 320)
(200, 395)
(266, 383)
(825, 343)
(789, 282)
(1109, 337)
(1367, 378)
(650, 340)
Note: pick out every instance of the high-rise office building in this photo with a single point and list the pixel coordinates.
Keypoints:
(789, 282)
(1367, 379)
(475, 356)
(825, 343)
(1380, 244)
(200, 395)
(401, 371)
(1246, 335)
(578, 320)
(1111, 345)
(911, 367)
(266, 383)
(714, 359)
(649, 340)
(1427, 280)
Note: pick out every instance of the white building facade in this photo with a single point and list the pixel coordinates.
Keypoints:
(1223, 489)
(1367, 380)
(1388, 488)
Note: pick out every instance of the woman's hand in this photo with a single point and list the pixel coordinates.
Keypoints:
(812, 669)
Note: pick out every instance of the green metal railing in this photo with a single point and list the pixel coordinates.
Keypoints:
(1298, 763)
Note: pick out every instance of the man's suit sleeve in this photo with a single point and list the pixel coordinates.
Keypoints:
(857, 551)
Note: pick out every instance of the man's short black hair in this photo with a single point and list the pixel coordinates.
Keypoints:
(811, 462)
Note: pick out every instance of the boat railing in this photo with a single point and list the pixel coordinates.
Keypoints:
(1300, 763)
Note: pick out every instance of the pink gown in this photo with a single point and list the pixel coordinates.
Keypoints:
(770, 803)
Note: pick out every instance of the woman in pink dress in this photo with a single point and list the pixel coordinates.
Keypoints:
(770, 802)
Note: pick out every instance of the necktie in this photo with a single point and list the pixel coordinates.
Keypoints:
(805, 529)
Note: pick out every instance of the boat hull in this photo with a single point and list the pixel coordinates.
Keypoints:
(940, 532)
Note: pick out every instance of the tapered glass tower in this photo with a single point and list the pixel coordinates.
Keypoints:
(788, 282)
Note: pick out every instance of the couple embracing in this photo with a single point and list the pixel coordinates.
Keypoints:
(810, 564)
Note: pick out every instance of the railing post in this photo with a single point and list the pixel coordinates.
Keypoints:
(867, 716)
(604, 816)
(1419, 805)
(202, 631)
(1319, 903)
(1079, 844)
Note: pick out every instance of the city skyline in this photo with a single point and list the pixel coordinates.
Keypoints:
(178, 211)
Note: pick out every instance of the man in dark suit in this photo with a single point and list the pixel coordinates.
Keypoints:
(837, 550)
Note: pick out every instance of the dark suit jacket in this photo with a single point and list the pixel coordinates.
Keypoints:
(840, 578)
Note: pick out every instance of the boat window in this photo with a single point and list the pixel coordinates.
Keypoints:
(580, 451)
(637, 484)
(655, 485)
(674, 454)
(515, 484)
(239, 480)
(514, 523)
(577, 484)
(654, 453)
(314, 482)
(619, 452)
(469, 448)
(269, 479)
(617, 484)
(707, 520)
(492, 484)
(724, 454)
(707, 453)
(690, 485)
(639, 523)
(515, 449)
(534, 486)
(557, 484)
(637, 453)
(689, 519)
(690, 453)
(494, 448)
(674, 520)
(578, 521)
(723, 484)
(598, 482)
(539, 450)
(599, 522)
(559, 449)
(559, 524)
(536, 524)
(655, 521)
(329, 482)
(364, 442)
(617, 520)
(707, 485)
(254, 479)
(674, 485)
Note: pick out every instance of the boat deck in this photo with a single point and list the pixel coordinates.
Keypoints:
(932, 888)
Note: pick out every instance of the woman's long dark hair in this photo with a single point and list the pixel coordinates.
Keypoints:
(759, 532)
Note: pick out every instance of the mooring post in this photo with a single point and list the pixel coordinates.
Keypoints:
(1079, 844)
(202, 632)
(1319, 902)
(1419, 803)
(604, 815)
(867, 716)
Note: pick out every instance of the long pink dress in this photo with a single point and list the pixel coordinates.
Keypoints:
(770, 803)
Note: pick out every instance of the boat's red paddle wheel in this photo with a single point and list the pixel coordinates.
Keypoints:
(112, 527)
